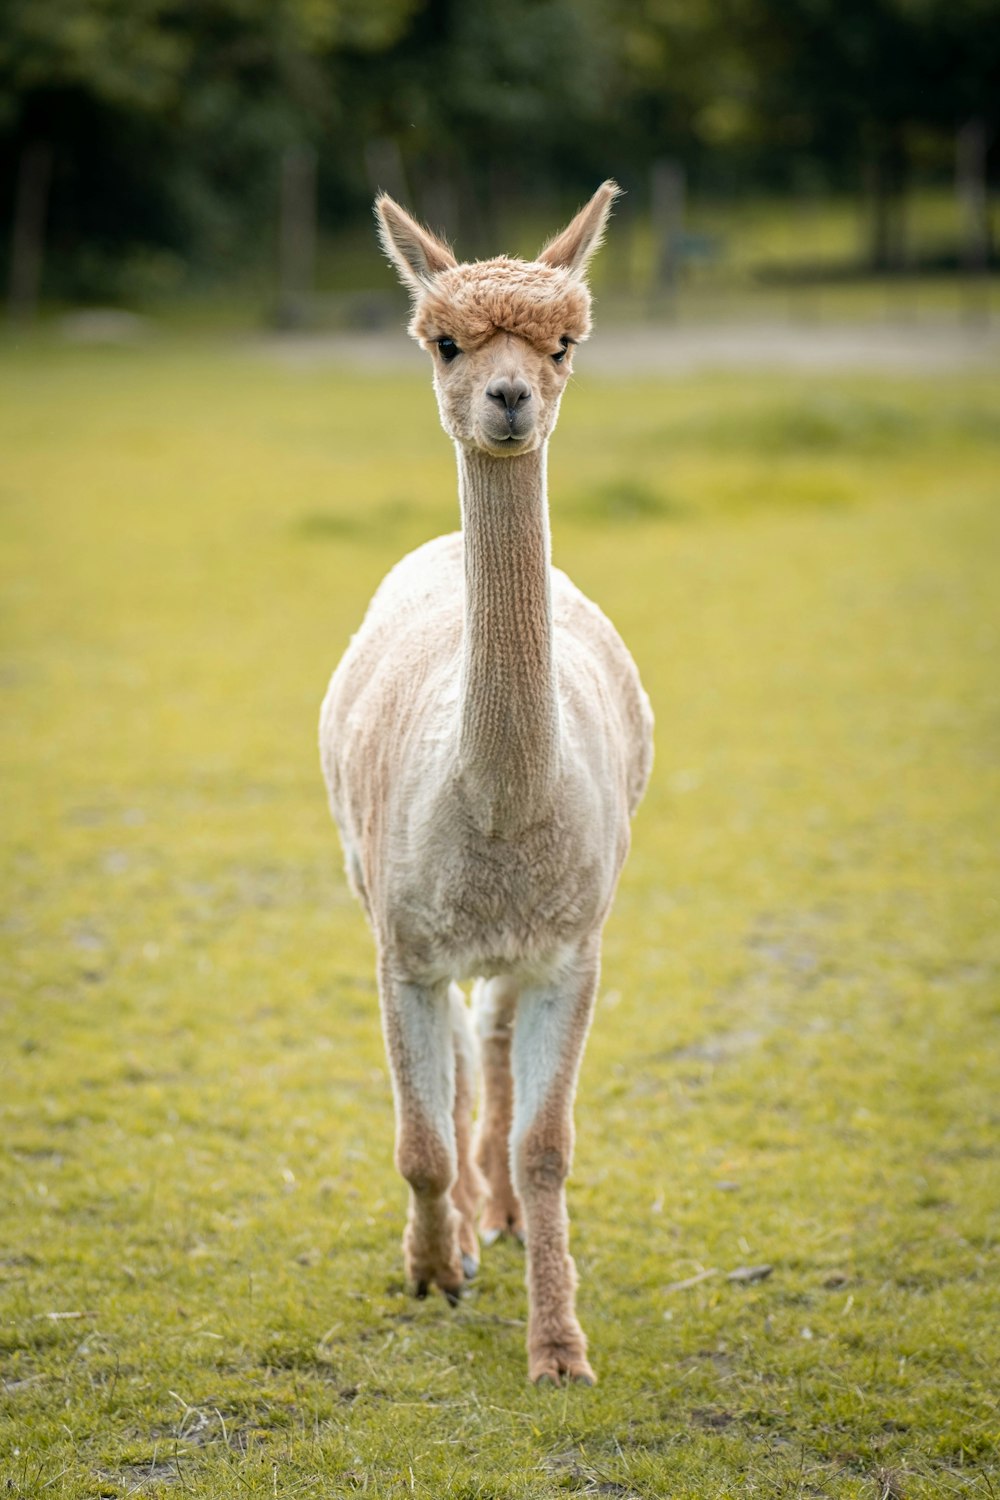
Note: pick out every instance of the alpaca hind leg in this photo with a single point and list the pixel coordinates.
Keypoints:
(549, 1035)
(417, 1023)
(494, 1002)
(467, 1191)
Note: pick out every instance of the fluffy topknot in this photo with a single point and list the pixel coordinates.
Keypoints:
(470, 303)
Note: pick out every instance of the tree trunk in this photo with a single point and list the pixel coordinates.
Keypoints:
(385, 169)
(885, 177)
(667, 193)
(297, 239)
(27, 247)
(972, 194)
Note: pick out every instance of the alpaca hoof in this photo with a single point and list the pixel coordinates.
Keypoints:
(496, 1232)
(421, 1290)
(452, 1295)
(470, 1266)
(579, 1377)
(559, 1364)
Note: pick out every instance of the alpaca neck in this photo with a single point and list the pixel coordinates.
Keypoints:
(509, 711)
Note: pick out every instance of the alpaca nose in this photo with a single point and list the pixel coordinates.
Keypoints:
(511, 394)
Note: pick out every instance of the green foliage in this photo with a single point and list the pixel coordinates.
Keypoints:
(122, 53)
(168, 119)
(794, 1054)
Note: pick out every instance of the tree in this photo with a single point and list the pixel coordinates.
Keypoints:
(164, 120)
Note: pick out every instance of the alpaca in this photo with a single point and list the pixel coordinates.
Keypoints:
(485, 740)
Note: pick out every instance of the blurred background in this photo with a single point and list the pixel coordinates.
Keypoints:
(219, 157)
(778, 470)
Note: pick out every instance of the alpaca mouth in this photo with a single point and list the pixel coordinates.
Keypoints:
(508, 437)
(503, 444)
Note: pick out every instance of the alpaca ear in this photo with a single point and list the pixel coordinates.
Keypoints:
(573, 248)
(417, 254)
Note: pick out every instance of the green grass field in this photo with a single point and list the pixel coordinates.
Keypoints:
(794, 1059)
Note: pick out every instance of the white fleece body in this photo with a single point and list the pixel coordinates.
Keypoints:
(457, 902)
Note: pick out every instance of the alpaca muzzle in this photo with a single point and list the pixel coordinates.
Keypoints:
(508, 410)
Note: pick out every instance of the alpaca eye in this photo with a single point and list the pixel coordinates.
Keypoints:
(560, 354)
(449, 349)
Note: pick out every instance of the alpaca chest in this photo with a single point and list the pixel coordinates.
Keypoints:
(482, 906)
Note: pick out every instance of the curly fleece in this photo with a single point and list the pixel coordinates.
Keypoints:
(471, 303)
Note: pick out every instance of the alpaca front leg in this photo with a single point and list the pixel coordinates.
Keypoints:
(494, 1003)
(417, 1023)
(549, 1035)
(467, 1191)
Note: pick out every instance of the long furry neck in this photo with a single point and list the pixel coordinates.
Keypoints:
(509, 713)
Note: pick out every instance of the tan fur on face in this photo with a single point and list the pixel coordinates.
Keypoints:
(471, 303)
(508, 318)
(513, 322)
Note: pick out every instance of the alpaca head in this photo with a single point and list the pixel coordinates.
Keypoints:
(500, 332)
